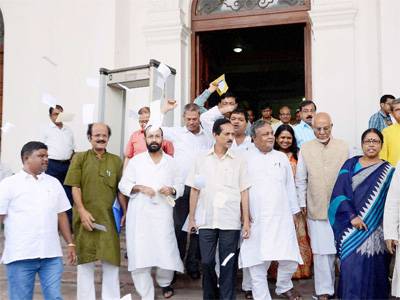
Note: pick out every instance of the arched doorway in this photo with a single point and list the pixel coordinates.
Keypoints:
(274, 40)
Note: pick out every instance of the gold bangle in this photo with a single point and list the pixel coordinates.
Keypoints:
(71, 245)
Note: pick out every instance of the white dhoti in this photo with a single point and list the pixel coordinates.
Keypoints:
(324, 254)
(144, 282)
(258, 275)
(396, 276)
(109, 285)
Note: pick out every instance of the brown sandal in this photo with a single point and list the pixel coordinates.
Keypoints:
(291, 294)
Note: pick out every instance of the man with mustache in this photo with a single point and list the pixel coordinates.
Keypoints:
(318, 166)
(33, 206)
(94, 176)
(153, 182)
(218, 203)
(304, 131)
(273, 235)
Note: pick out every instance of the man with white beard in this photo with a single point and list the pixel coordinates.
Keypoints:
(152, 181)
(273, 205)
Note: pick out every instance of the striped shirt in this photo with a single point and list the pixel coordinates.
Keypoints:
(379, 121)
(303, 133)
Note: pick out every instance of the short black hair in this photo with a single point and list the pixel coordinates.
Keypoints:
(385, 98)
(90, 128)
(265, 106)
(144, 110)
(148, 127)
(306, 103)
(241, 111)
(374, 130)
(217, 129)
(227, 95)
(59, 107)
(30, 147)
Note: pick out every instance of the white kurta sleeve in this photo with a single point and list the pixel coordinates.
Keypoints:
(5, 197)
(291, 188)
(178, 184)
(128, 180)
(301, 181)
(209, 117)
(391, 220)
(62, 199)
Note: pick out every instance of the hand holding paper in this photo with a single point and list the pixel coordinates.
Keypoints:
(221, 84)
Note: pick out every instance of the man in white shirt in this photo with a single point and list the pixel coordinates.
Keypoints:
(60, 142)
(33, 206)
(285, 116)
(152, 181)
(188, 141)
(273, 205)
(218, 202)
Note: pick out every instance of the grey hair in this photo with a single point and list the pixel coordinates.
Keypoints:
(191, 107)
(257, 124)
(395, 102)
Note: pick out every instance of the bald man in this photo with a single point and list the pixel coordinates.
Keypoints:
(94, 176)
(318, 166)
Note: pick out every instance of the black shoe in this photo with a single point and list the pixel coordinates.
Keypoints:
(195, 275)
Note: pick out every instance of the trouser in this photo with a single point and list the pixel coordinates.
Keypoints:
(181, 211)
(246, 280)
(259, 280)
(21, 278)
(109, 286)
(227, 241)
(59, 169)
(324, 274)
(144, 282)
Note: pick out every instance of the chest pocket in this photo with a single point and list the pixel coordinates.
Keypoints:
(109, 177)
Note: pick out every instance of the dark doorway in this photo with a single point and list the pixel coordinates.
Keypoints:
(269, 69)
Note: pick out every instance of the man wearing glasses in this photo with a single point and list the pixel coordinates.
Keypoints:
(318, 166)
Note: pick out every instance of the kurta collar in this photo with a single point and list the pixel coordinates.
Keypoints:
(151, 160)
(304, 124)
(228, 153)
(26, 175)
(187, 131)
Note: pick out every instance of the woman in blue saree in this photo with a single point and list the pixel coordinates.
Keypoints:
(356, 216)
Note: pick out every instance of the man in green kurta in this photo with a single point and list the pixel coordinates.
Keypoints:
(94, 177)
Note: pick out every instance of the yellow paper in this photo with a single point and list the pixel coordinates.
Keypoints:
(221, 84)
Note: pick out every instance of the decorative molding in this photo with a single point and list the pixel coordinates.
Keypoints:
(332, 14)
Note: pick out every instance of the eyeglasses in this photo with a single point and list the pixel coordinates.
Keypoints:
(372, 142)
(318, 129)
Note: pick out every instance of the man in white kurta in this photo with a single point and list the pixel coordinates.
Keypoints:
(152, 181)
(273, 203)
(391, 223)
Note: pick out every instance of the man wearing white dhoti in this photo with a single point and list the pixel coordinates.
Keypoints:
(152, 181)
(317, 169)
(273, 204)
(391, 222)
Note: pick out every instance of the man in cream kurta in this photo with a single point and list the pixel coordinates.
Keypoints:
(319, 163)
(273, 232)
(391, 222)
(152, 181)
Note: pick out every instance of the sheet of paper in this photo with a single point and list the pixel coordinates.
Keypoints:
(49, 100)
(92, 82)
(221, 84)
(7, 126)
(164, 70)
(99, 227)
(155, 115)
(227, 259)
(87, 113)
(65, 117)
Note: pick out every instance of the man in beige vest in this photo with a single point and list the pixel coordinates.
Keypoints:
(319, 163)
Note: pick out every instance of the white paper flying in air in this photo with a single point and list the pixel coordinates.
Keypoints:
(164, 70)
(65, 117)
(155, 115)
(7, 127)
(87, 113)
(227, 259)
(133, 114)
(92, 82)
(49, 100)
